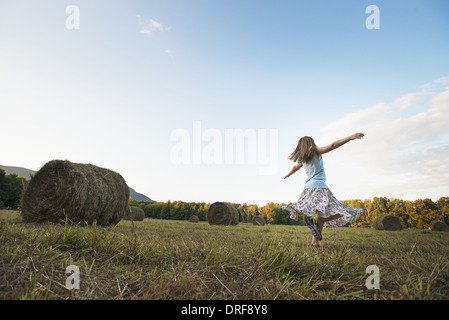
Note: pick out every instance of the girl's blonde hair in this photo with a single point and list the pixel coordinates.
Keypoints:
(305, 150)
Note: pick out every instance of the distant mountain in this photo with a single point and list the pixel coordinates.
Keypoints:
(24, 172)
(138, 196)
(27, 173)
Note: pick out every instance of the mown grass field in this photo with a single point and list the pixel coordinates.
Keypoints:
(163, 259)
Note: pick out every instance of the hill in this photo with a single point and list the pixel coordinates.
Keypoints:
(27, 173)
(138, 196)
(24, 172)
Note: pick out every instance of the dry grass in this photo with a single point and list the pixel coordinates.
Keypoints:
(166, 259)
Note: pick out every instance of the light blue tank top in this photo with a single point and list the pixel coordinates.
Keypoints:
(316, 178)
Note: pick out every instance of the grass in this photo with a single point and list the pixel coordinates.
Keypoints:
(165, 259)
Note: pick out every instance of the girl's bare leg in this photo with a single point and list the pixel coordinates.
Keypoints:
(320, 220)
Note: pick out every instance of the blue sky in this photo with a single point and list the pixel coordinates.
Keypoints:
(114, 91)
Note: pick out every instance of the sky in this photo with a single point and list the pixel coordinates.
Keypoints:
(203, 101)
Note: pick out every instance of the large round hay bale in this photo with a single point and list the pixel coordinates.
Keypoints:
(222, 213)
(387, 222)
(438, 225)
(134, 214)
(258, 221)
(194, 219)
(83, 193)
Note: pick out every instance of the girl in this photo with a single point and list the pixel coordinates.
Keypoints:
(317, 200)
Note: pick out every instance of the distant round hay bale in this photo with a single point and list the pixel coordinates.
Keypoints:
(235, 218)
(194, 219)
(258, 221)
(438, 225)
(134, 213)
(83, 193)
(387, 222)
(222, 213)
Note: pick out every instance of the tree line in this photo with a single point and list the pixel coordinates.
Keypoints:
(11, 186)
(413, 214)
(180, 210)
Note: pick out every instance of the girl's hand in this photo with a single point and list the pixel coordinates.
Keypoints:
(286, 176)
(357, 135)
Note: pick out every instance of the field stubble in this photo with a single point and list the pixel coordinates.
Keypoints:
(166, 259)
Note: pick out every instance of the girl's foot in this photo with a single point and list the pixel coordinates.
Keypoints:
(315, 242)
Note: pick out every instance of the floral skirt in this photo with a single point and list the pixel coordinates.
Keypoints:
(321, 201)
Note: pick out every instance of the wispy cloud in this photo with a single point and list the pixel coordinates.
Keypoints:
(150, 26)
(408, 99)
(423, 92)
(404, 154)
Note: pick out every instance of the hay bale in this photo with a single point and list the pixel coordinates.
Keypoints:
(438, 225)
(387, 222)
(258, 221)
(222, 213)
(194, 219)
(235, 218)
(134, 214)
(83, 193)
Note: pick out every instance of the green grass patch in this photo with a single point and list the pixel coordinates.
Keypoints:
(166, 259)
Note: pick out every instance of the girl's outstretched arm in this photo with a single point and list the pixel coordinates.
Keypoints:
(295, 168)
(339, 143)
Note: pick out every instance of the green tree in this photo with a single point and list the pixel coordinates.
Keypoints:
(282, 216)
(379, 207)
(243, 209)
(426, 211)
(410, 212)
(363, 219)
(165, 212)
(268, 211)
(397, 208)
(4, 190)
(11, 187)
(443, 208)
(253, 210)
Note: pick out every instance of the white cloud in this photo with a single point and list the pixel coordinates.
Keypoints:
(409, 99)
(150, 26)
(361, 117)
(443, 80)
(435, 85)
(404, 154)
(423, 92)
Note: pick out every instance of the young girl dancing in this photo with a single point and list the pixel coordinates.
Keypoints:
(317, 200)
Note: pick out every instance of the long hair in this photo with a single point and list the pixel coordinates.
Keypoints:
(305, 150)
